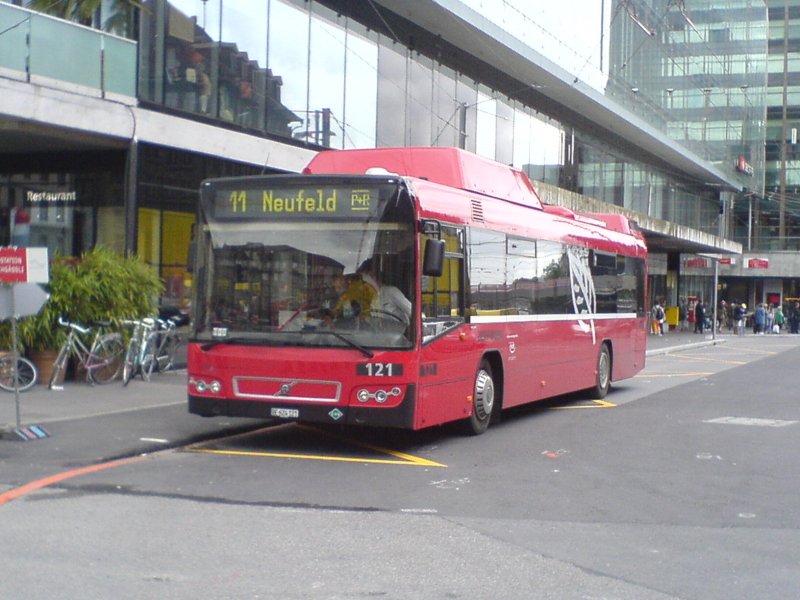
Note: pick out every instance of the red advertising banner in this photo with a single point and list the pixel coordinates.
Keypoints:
(23, 265)
(13, 265)
(758, 263)
(696, 263)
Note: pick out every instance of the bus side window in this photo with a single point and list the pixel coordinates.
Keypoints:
(442, 297)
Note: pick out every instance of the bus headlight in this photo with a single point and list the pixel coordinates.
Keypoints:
(201, 385)
(379, 395)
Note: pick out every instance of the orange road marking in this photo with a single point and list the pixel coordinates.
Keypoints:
(15, 493)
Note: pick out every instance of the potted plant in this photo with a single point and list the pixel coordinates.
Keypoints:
(100, 285)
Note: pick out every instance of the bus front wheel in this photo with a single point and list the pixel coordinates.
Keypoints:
(483, 397)
(603, 373)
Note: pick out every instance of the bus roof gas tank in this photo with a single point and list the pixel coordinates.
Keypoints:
(447, 166)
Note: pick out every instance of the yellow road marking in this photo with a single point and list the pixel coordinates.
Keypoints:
(714, 360)
(595, 404)
(405, 457)
(419, 462)
(754, 351)
(400, 457)
(689, 374)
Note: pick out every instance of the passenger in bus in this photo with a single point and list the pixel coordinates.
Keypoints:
(388, 300)
(356, 300)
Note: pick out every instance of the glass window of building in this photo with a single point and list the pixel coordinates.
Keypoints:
(419, 117)
(486, 130)
(446, 111)
(287, 54)
(326, 78)
(392, 74)
(359, 113)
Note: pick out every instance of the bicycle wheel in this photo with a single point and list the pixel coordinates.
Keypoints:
(131, 360)
(26, 374)
(59, 367)
(106, 358)
(150, 355)
(171, 352)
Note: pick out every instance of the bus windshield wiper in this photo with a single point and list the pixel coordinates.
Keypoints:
(368, 353)
(257, 342)
(231, 340)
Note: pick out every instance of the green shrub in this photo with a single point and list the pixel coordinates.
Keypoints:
(101, 285)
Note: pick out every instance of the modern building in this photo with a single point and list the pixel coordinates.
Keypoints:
(105, 137)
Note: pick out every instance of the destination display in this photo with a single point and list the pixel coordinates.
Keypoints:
(295, 202)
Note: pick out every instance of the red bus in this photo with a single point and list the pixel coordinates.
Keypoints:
(406, 287)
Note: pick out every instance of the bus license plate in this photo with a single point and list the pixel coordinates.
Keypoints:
(285, 413)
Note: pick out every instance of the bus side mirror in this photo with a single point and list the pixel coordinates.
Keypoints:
(433, 260)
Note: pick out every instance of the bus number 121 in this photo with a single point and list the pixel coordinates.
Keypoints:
(379, 369)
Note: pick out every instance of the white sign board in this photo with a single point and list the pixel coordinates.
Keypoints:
(21, 300)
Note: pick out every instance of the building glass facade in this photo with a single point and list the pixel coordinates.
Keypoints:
(326, 74)
(696, 69)
(351, 74)
(777, 213)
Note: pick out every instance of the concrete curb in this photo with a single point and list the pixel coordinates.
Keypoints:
(680, 347)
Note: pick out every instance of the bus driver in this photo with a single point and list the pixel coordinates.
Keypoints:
(388, 300)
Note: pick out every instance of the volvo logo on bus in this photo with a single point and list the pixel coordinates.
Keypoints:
(285, 388)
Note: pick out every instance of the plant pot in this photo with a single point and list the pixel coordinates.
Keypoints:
(44, 359)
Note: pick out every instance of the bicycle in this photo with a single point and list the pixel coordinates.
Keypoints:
(22, 378)
(162, 348)
(137, 348)
(102, 360)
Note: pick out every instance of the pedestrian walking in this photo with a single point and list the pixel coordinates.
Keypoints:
(657, 319)
(699, 316)
(794, 318)
(759, 319)
(740, 316)
(779, 320)
(722, 315)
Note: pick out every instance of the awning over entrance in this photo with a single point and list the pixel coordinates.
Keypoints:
(662, 237)
(687, 241)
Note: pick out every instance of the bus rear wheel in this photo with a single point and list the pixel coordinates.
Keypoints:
(483, 397)
(603, 373)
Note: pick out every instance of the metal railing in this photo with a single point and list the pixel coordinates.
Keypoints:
(38, 48)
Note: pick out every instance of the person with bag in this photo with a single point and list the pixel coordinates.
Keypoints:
(778, 320)
(769, 312)
(657, 319)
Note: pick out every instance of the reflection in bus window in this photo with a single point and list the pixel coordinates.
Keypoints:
(442, 298)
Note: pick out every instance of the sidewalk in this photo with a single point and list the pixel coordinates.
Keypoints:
(681, 340)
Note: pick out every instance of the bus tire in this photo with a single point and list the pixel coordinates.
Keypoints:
(602, 373)
(483, 400)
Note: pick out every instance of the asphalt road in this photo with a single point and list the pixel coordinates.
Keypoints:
(681, 484)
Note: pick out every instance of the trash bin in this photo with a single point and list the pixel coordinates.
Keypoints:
(672, 314)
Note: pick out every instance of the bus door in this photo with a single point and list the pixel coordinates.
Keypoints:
(446, 369)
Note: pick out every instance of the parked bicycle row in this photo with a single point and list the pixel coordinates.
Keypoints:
(103, 352)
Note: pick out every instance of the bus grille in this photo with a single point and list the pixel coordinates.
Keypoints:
(286, 389)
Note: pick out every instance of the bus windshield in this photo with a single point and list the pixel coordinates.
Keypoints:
(323, 262)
